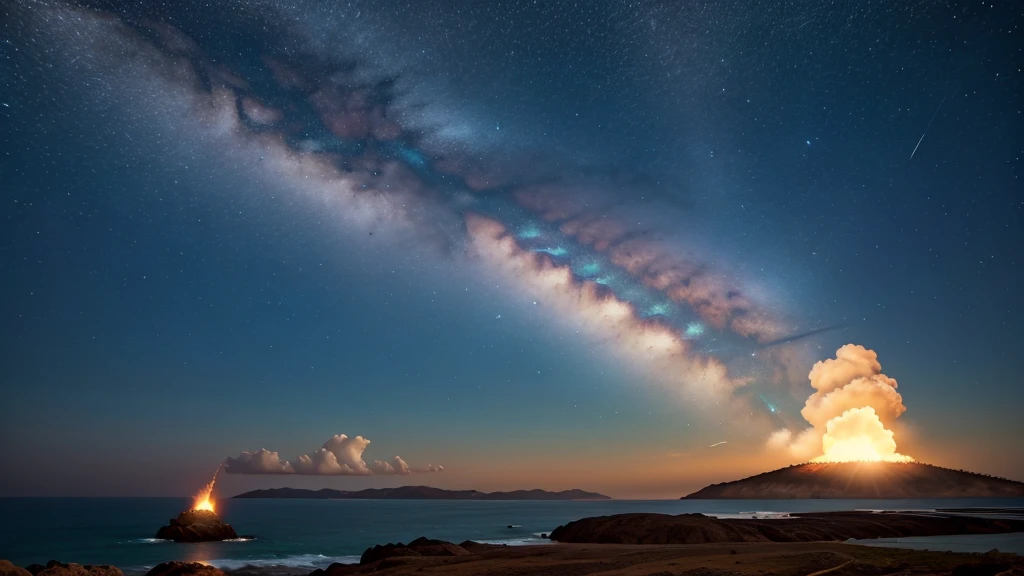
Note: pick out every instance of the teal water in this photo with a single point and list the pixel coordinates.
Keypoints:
(314, 533)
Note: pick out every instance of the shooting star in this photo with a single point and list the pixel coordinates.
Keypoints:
(926, 128)
(801, 336)
(717, 444)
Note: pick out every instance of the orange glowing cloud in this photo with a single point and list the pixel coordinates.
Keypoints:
(848, 412)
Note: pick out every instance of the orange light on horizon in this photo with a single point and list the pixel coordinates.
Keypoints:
(858, 435)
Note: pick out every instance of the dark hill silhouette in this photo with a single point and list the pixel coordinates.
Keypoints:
(421, 493)
(863, 480)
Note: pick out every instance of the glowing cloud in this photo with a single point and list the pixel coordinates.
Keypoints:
(858, 435)
(339, 456)
(849, 410)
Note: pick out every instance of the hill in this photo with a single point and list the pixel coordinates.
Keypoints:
(421, 493)
(863, 480)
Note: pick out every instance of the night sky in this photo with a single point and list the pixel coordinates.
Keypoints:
(542, 244)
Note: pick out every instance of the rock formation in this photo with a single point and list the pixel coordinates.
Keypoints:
(810, 527)
(184, 569)
(55, 568)
(863, 480)
(418, 547)
(8, 569)
(197, 526)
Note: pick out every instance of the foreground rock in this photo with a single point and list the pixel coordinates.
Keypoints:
(55, 568)
(184, 569)
(816, 527)
(863, 480)
(197, 526)
(8, 569)
(418, 547)
(746, 559)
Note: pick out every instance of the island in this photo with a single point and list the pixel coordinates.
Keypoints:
(648, 528)
(421, 493)
(860, 480)
(197, 526)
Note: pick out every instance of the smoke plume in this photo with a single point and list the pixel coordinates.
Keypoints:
(849, 411)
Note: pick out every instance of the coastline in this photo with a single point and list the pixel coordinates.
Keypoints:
(754, 559)
(651, 543)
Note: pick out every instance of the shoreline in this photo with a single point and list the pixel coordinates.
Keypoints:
(725, 559)
(855, 542)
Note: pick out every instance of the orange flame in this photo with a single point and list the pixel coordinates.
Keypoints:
(858, 435)
(203, 501)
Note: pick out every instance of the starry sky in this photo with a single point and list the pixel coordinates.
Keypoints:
(543, 244)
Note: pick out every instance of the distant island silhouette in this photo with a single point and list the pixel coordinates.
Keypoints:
(420, 493)
(862, 480)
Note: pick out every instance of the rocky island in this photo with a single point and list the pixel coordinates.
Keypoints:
(856, 480)
(197, 526)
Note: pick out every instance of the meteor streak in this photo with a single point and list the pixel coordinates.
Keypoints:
(927, 127)
(800, 336)
(718, 444)
(203, 500)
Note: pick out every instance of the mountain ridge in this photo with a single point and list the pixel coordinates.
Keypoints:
(862, 480)
(420, 493)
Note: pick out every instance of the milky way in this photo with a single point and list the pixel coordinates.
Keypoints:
(562, 235)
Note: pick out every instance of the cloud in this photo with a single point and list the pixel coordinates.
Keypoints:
(339, 456)
(852, 379)
(852, 404)
(396, 466)
(855, 432)
(262, 461)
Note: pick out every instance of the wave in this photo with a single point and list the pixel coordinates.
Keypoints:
(297, 561)
(150, 541)
(536, 540)
(751, 515)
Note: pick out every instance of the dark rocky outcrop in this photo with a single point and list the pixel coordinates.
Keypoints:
(478, 547)
(418, 547)
(8, 569)
(832, 526)
(184, 569)
(55, 568)
(197, 526)
(863, 480)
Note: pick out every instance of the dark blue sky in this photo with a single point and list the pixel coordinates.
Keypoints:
(184, 282)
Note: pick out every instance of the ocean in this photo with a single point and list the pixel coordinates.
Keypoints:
(314, 533)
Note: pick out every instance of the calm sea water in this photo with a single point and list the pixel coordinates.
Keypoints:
(314, 533)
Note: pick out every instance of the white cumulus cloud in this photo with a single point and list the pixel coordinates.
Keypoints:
(339, 456)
